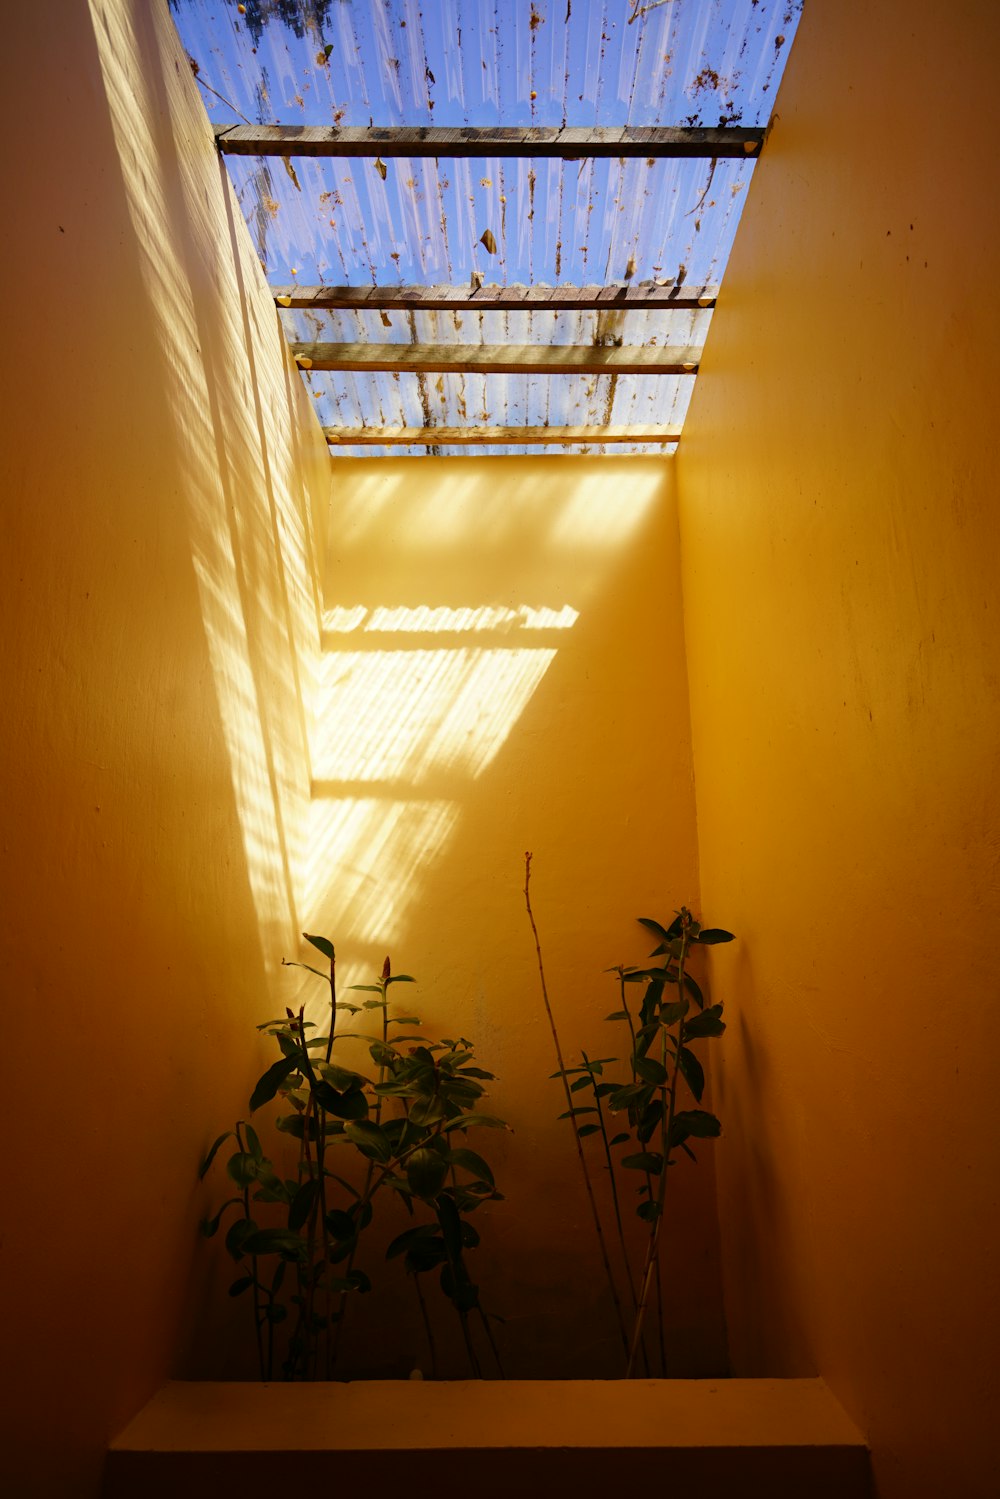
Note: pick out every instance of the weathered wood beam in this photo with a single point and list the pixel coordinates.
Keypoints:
(539, 140)
(400, 437)
(616, 296)
(499, 359)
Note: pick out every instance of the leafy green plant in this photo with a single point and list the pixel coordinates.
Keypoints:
(356, 1140)
(671, 1015)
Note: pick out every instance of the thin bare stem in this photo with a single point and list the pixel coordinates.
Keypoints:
(228, 103)
(491, 1340)
(602, 1124)
(661, 1334)
(572, 1118)
(431, 1345)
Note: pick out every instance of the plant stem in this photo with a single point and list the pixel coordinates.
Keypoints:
(257, 1315)
(628, 1013)
(569, 1104)
(328, 1345)
(431, 1345)
(367, 1190)
(614, 1197)
(491, 1340)
(659, 1321)
(652, 1252)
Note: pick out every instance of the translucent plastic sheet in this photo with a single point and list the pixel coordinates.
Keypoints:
(488, 62)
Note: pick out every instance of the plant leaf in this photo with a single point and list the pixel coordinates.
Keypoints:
(371, 1140)
(692, 1071)
(674, 1011)
(273, 1241)
(213, 1152)
(269, 1084)
(488, 242)
(210, 1226)
(713, 934)
(302, 1203)
(474, 1121)
(404, 1241)
(341, 1078)
(426, 1172)
(708, 1023)
(323, 945)
(352, 1104)
(694, 990)
(473, 1163)
(588, 1129)
(693, 1123)
(426, 1111)
(650, 1071)
(646, 1160)
(341, 1225)
(242, 1168)
(239, 1286)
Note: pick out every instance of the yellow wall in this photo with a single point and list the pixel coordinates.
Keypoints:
(161, 470)
(840, 560)
(446, 748)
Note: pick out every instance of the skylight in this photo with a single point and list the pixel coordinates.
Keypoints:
(480, 337)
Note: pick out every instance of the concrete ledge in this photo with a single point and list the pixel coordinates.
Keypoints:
(739, 1438)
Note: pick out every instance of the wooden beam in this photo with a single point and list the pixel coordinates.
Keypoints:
(499, 359)
(617, 296)
(400, 437)
(534, 141)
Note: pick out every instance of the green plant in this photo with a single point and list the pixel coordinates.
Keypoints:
(356, 1139)
(660, 1033)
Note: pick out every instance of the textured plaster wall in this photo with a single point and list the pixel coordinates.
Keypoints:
(161, 481)
(503, 670)
(838, 514)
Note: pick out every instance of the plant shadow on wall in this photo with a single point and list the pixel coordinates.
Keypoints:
(403, 1135)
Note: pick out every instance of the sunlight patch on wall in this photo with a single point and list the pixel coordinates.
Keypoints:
(367, 858)
(228, 398)
(409, 716)
(450, 621)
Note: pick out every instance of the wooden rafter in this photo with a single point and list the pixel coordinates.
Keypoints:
(616, 296)
(399, 437)
(499, 359)
(568, 143)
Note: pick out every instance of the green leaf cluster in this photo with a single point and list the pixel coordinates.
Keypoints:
(364, 1137)
(645, 1107)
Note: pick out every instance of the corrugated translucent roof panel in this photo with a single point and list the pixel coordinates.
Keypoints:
(491, 62)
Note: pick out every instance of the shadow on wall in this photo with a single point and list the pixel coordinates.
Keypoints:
(250, 491)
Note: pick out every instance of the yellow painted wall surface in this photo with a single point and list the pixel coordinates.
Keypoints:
(160, 477)
(839, 521)
(503, 670)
